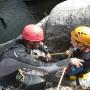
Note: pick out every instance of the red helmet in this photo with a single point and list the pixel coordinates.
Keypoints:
(32, 33)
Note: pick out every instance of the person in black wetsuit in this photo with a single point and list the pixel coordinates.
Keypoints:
(79, 64)
(18, 55)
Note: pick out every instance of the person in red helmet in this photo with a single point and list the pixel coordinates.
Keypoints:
(34, 35)
(18, 56)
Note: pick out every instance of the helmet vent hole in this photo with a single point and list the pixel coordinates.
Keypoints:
(82, 33)
(37, 35)
(76, 35)
(79, 33)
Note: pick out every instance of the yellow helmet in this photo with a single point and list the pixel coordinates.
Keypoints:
(82, 34)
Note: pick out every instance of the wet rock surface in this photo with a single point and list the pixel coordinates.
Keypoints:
(14, 15)
(41, 8)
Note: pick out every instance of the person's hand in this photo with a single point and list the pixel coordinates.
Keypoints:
(48, 57)
(77, 62)
(69, 52)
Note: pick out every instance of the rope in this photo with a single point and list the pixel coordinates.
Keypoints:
(70, 54)
(61, 53)
(61, 78)
(21, 72)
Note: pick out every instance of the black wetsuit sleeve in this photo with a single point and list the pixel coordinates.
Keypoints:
(8, 65)
(17, 58)
(43, 48)
(21, 56)
(84, 56)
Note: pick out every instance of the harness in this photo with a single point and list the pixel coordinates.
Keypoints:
(72, 69)
(82, 73)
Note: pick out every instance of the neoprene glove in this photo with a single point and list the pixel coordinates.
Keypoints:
(77, 62)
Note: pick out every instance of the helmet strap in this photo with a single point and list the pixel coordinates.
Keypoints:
(80, 44)
(32, 45)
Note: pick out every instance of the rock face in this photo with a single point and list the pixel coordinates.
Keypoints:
(14, 15)
(63, 18)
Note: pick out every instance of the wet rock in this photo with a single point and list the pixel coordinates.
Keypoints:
(14, 15)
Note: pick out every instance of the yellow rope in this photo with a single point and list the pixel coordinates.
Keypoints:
(21, 72)
(61, 78)
(69, 57)
(61, 53)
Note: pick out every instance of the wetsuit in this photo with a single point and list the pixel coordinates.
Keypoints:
(84, 56)
(17, 56)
